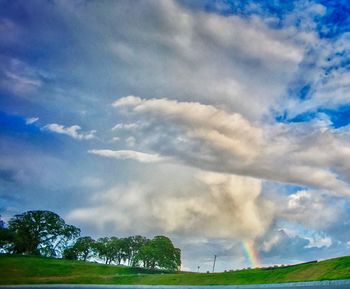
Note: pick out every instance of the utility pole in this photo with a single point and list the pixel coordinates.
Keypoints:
(214, 263)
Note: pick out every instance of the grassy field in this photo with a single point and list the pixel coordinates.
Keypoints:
(36, 270)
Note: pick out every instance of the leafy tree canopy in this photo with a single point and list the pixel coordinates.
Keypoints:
(134, 244)
(6, 237)
(84, 247)
(70, 253)
(46, 233)
(112, 249)
(160, 253)
(41, 233)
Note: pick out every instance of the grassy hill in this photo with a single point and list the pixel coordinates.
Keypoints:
(35, 270)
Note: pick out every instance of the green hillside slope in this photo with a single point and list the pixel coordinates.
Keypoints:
(35, 270)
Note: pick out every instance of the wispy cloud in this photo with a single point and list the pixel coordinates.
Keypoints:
(31, 120)
(129, 154)
(126, 126)
(19, 77)
(72, 131)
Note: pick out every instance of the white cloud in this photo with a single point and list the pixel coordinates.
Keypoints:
(126, 126)
(327, 78)
(127, 100)
(228, 132)
(129, 154)
(72, 131)
(318, 241)
(31, 120)
(211, 138)
(305, 207)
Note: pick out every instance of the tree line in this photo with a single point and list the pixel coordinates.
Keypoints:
(45, 233)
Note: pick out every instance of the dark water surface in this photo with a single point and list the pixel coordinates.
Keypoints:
(336, 284)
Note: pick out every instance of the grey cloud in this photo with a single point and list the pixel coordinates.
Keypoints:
(340, 229)
(191, 55)
(287, 249)
(282, 248)
(215, 205)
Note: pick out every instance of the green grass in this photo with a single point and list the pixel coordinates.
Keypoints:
(39, 270)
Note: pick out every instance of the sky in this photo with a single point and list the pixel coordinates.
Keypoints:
(224, 125)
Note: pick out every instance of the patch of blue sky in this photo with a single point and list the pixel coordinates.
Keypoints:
(303, 91)
(337, 61)
(14, 123)
(334, 21)
(15, 126)
(339, 116)
(248, 7)
(304, 117)
(285, 117)
(283, 189)
(294, 228)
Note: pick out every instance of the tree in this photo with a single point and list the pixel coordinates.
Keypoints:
(6, 237)
(116, 249)
(84, 247)
(112, 249)
(160, 253)
(147, 255)
(134, 244)
(102, 249)
(167, 256)
(81, 250)
(41, 233)
(70, 253)
(177, 258)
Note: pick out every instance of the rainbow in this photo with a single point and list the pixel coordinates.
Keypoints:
(251, 253)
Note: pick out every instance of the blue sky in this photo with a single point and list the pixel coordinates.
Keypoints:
(212, 122)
